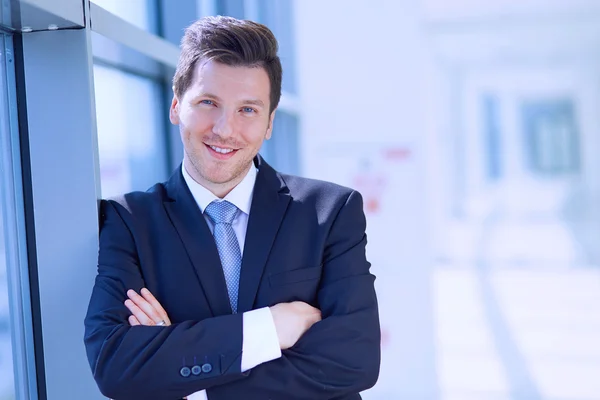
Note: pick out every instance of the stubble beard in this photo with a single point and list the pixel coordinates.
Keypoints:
(212, 178)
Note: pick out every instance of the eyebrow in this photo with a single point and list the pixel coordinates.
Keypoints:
(255, 102)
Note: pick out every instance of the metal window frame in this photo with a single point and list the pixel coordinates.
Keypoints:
(59, 153)
(13, 208)
(132, 37)
(60, 160)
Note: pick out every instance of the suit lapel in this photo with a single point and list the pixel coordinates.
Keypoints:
(198, 242)
(269, 203)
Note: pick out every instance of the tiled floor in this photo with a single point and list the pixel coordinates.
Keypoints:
(502, 333)
(467, 359)
(555, 320)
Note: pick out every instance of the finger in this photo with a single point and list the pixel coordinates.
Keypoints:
(133, 321)
(156, 304)
(139, 313)
(143, 304)
(316, 316)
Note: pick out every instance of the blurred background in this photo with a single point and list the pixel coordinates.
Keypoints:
(471, 128)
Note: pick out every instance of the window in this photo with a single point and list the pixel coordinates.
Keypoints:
(281, 151)
(232, 8)
(551, 137)
(7, 389)
(492, 136)
(278, 16)
(7, 385)
(141, 13)
(131, 139)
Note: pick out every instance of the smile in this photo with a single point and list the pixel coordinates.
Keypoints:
(221, 150)
(221, 153)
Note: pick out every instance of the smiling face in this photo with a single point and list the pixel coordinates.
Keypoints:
(223, 119)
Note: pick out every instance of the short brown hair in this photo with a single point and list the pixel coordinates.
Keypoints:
(231, 42)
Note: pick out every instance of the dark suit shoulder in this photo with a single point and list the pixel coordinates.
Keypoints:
(325, 198)
(139, 202)
(300, 186)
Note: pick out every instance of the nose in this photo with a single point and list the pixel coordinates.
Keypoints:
(224, 124)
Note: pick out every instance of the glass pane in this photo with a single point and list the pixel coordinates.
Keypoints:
(5, 18)
(281, 151)
(491, 133)
(7, 388)
(131, 139)
(278, 16)
(551, 136)
(232, 8)
(140, 13)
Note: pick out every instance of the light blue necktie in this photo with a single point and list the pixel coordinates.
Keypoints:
(222, 214)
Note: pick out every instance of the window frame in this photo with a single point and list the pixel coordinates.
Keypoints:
(13, 209)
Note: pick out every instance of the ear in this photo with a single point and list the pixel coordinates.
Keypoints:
(174, 111)
(270, 127)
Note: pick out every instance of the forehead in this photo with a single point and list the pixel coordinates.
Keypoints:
(230, 82)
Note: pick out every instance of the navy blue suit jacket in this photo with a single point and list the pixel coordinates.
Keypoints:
(305, 241)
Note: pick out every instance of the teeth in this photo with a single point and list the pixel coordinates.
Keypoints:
(220, 150)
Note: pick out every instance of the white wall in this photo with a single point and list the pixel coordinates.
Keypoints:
(362, 82)
(390, 93)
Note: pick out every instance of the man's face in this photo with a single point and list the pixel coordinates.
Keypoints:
(223, 119)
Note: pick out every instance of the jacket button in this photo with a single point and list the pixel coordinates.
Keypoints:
(206, 368)
(196, 370)
(185, 372)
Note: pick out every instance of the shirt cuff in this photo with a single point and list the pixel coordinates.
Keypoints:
(260, 342)
(201, 395)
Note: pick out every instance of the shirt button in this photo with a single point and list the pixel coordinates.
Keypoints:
(196, 370)
(185, 372)
(206, 368)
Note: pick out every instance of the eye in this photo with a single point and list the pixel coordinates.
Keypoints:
(207, 102)
(248, 110)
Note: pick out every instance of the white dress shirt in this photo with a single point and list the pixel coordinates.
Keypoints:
(260, 342)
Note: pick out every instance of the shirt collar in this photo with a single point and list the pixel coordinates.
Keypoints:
(240, 196)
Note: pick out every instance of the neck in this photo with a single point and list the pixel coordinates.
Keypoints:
(218, 189)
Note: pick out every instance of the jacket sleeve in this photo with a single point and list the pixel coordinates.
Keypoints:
(339, 355)
(146, 362)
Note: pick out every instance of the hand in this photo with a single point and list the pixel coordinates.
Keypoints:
(292, 320)
(146, 309)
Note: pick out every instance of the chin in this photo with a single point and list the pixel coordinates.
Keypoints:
(219, 176)
(219, 180)
(220, 173)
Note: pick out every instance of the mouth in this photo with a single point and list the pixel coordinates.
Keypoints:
(221, 153)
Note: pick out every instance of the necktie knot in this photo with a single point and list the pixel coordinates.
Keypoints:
(221, 212)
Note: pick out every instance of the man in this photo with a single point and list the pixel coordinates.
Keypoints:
(231, 280)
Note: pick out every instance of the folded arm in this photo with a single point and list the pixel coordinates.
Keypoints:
(341, 354)
(149, 361)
